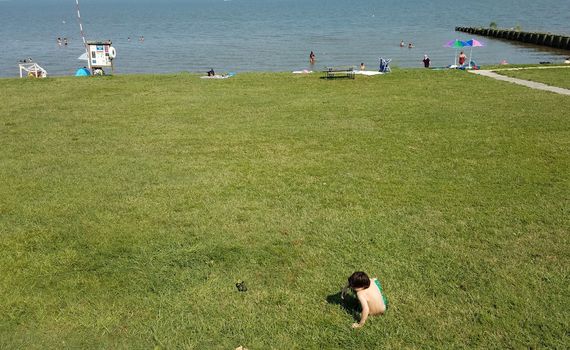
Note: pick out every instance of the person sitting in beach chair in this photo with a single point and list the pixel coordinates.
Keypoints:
(211, 72)
(384, 65)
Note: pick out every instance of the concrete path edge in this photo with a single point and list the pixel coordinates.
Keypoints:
(527, 83)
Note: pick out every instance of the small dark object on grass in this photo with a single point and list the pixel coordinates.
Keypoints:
(241, 286)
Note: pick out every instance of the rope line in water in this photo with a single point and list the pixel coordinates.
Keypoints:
(80, 25)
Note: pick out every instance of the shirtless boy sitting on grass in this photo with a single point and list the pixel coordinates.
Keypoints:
(370, 297)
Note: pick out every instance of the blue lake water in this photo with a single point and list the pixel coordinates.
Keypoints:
(268, 35)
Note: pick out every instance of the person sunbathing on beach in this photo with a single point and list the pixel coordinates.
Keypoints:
(371, 298)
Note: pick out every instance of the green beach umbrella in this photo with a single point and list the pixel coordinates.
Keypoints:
(455, 44)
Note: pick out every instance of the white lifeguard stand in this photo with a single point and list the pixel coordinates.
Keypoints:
(100, 55)
(32, 70)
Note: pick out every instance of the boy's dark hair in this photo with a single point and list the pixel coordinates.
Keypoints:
(359, 279)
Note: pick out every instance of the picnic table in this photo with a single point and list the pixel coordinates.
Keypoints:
(339, 72)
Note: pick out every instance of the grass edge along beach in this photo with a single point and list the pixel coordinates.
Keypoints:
(131, 205)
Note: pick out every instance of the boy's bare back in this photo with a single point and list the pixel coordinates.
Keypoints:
(369, 295)
(373, 298)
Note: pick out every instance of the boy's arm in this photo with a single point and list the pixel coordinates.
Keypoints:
(365, 312)
(343, 291)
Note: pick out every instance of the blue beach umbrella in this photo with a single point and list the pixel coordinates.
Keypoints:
(472, 43)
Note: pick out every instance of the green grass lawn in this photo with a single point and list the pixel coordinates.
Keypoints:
(552, 76)
(131, 205)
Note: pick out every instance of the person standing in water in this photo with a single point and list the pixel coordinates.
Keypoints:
(426, 61)
(402, 43)
(312, 58)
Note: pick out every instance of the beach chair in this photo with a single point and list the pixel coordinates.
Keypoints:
(384, 65)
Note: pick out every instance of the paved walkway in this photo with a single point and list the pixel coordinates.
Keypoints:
(527, 83)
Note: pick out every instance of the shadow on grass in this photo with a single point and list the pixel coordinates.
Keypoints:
(349, 304)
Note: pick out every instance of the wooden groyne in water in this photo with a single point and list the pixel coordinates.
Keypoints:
(545, 39)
